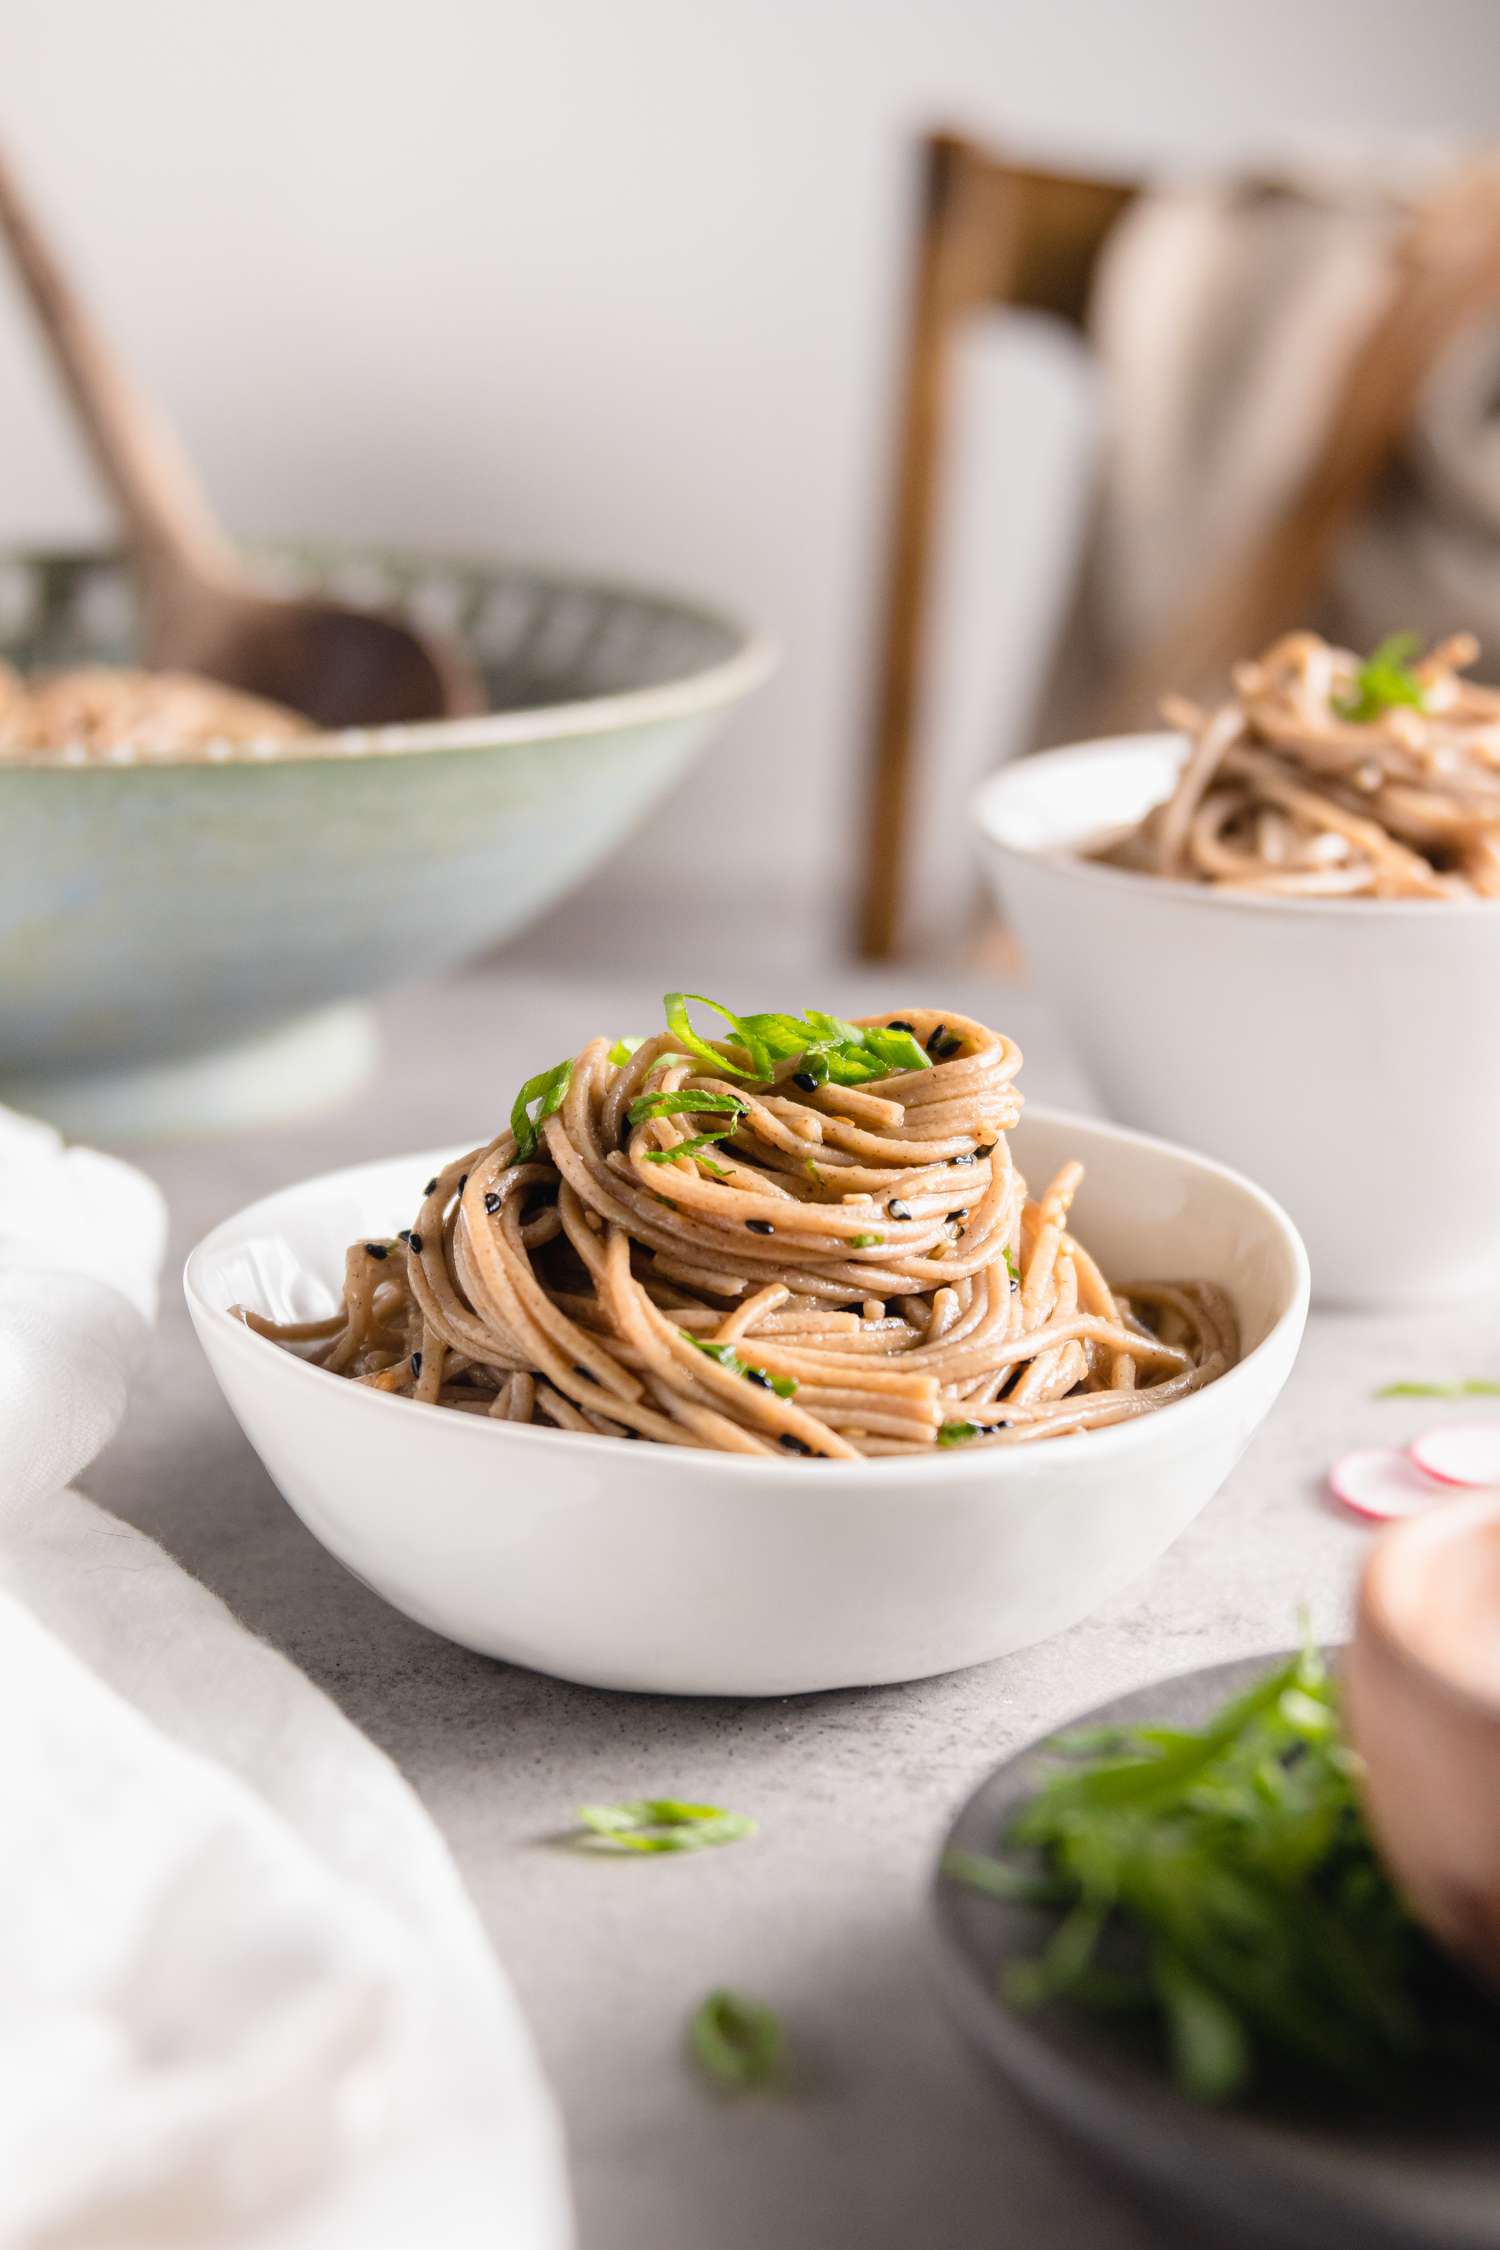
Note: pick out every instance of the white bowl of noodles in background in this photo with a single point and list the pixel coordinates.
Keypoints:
(1342, 1051)
(673, 1570)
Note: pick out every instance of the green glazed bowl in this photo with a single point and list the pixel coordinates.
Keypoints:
(192, 945)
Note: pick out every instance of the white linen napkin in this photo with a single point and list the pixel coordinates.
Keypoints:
(243, 1997)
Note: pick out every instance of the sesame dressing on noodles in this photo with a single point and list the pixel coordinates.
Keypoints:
(806, 1237)
(1325, 776)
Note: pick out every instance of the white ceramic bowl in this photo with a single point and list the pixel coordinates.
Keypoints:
(684, 1572)
(1342, 1051)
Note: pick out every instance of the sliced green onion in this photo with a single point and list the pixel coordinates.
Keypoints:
(538, 1099)
(826, 1048)
(736, 2042)
(680, 1025)
(725, 1355)
(623, 1049)
(957, 1433)
(1384, 681)
(863, 1241)
(686, 1102)
(1479, 1387)
(659, 1824)
(691, 1147)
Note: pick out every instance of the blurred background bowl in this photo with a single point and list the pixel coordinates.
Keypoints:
(1337, 1050)
(192, 943)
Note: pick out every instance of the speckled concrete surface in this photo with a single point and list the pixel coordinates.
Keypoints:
(891, 2138)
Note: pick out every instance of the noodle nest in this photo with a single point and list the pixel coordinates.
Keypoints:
(807, 1237)
(1325, 776)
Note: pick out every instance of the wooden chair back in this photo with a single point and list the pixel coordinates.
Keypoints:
(994, 233)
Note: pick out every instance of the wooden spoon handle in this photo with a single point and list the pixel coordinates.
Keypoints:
(165, 510)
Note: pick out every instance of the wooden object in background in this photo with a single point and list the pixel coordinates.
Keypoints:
(338, 666)
(998, 234)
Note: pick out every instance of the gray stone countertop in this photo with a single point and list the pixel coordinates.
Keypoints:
(892, 2137)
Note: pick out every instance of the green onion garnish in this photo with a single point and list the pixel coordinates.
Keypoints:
(725, 1355)
(957, 1433)
(659, 1824)
(691, 1147)
(686, 1102)
(1479, 1387)
(1011, 1267)
(1384, 680)
(736, 2042)
(826, 1048)
(862, 1241)
(538, 1099)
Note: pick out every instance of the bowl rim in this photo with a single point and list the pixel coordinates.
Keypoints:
(1066, 862)
(955, 1464)
(752, 658)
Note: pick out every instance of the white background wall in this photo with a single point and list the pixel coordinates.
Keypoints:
(617, 281)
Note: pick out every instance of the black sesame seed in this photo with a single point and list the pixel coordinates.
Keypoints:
(760, 1226)
(463, 1181)
(941, 1042)
(970, 1158)
(897, 1209)
(376, 1250)
(415, 1243)
(416, 1363)
(492, 1201)
(759, 1377)
(898, 1023)
(793, 1444)
(963, 1214)
(404, 1235)
(431, 1187)
(988, 1150)
(806, 1080)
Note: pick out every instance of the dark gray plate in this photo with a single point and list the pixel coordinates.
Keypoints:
(1305, 2174)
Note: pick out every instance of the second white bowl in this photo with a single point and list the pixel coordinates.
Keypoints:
(684, 1572)
(1342, 1051)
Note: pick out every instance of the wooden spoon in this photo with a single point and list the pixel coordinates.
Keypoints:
(340, 667)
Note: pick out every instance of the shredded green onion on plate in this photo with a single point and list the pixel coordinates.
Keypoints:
(1221, 1882)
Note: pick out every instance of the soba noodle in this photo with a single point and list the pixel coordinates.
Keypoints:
(112, 715)
(1326, 777)
(806, 1237)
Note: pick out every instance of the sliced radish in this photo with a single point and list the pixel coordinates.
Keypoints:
(1378, 1482)
(1463, 1453)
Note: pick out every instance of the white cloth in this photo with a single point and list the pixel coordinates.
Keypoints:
(244, 2000)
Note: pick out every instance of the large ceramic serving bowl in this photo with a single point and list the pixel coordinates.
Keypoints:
(1342, 1051)
(668, 1569)
(191, 942)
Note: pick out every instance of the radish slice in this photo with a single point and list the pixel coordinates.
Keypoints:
(1465, 1453)
(1380, 1483)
